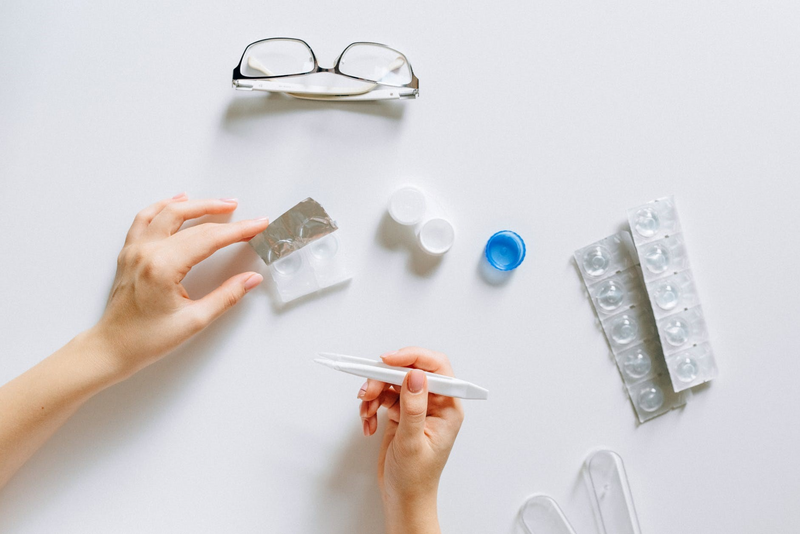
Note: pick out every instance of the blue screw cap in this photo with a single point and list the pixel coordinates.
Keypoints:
(505, 250)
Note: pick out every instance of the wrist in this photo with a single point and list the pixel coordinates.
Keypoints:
(414, 514)
(97, 358)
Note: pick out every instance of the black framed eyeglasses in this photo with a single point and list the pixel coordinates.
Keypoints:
(363, 71)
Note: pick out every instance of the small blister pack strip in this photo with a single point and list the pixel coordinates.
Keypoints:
(659, 241)
(611, 272)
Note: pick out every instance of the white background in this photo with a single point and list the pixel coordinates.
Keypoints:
(548, 117)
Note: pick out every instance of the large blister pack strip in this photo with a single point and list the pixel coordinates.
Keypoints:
(670, 286)
(611, 272)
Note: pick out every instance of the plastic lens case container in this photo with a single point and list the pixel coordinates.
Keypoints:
(618, 294)
(318, 265)
(409, 206)
(681, 325)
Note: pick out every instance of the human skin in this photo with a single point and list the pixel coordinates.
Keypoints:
(148, 314)
(420, 431)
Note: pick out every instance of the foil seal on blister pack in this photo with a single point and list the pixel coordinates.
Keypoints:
(301, 225)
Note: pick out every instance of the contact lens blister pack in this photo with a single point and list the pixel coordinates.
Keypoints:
(303, 250)
(659, 240)
(614, 282)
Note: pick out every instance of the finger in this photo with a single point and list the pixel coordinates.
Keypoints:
(199, 242)
(372, 425)
(427, 360)
(387, 399)
(223, 298)
(144, 217)
(170, 219)
(371, 389)
(413, 406)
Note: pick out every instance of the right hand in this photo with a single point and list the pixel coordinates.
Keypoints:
(420, 433)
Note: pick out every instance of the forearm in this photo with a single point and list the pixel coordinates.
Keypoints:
(34, 405)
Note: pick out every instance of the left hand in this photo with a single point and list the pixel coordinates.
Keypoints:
(149, 311)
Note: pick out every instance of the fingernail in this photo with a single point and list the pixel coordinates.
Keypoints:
(363, 390)
(261, 219)
(416, 380)
(387, 354)
(252, 282)
(179, 195)
(230, 200)
(366, 427)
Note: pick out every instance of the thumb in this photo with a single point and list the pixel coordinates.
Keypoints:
(225, 296)
(413, 405)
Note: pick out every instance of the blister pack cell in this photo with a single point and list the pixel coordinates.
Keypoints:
(316, 266)
(671, 289)
(605, 258)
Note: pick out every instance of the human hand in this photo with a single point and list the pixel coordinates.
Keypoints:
(420, 433)
(149, 312)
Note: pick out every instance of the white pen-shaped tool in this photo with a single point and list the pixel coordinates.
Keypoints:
(438, 384)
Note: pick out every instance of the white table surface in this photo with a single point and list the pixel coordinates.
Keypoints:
(549, 118)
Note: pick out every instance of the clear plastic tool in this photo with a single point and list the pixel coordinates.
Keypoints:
(610, 493)
(376, 370)
(541, 515)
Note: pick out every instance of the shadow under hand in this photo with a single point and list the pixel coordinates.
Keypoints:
(280, 307)
(393, 236)
(252, 107)
(352, 498)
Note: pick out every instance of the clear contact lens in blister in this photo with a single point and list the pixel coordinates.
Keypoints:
(317, 265)
(618, 292)
(606, 257)
(691, 367)
(682, 330)
(673, 294)
(663, 257)
(654, 220)
(655, 396)
(326, 260)
(641, 361)
(629, 328)
(293, 276)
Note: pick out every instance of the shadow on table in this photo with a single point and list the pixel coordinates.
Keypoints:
(251, 107)
(351, 499)
(393, 236)
(118, 415)
(490, 275)
(110, 420)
